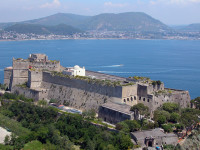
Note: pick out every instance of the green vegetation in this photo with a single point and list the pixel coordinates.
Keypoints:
(128, 126)
(171, 117)
(24, 85)
(34, 145)
(192, 142)
(93, 81)
(42, 103)
(12, 96)
(2, 86)
(13, 125)
(141, 109)
(196, 102)
(156, 82)
(48, 130)
(60, 29)
(140, 78)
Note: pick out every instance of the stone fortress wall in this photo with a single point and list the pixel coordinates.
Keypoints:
(82, 94)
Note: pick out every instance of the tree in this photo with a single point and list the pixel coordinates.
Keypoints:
(174, 117)
(179, 127)
(133, 125)
(167, 127)
(158, 113)
(123, 127)
(7, 140)
(89, 114)
(170, 107)
(42, 102)
(196, 102)
(161, 120)
(124, 141)
(140, 109)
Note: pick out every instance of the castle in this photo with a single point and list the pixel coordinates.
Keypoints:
(40, 78)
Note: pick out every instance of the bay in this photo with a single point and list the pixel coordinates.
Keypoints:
(175, 62)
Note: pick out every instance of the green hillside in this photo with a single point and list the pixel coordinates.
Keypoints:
(59, 18)
(61, 29)
(191, 28)
(132, 21)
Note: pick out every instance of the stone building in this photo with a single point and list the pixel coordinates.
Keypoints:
(114, 113)
(154, 137)
(47, 79)
(75, 71)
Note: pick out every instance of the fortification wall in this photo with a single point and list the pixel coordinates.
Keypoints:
(90, 98)
(153, 88)
(52, 66)
(79, 93)
(83, 85)
(34, 79)
(129, 95)
(20, 72)
(180, 97)
(144, 90)
(7, 77)
(26, 92)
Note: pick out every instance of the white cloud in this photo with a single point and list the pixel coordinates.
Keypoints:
(110, 4)
(54, 4)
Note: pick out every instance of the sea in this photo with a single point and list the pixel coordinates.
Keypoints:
(174, 62)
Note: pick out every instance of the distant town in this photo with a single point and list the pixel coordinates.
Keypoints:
(10, 35)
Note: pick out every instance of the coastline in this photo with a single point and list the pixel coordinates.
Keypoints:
(7, 40)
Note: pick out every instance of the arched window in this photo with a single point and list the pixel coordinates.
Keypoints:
(134, 97)
(143, 99)
(131, 98)
(124, 100)
(127, 99)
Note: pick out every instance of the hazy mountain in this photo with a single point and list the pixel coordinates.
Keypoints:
(59, 18)
(131, 21)
(191, 28)
(61, 29)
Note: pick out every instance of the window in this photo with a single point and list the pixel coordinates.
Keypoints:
(124, 100)
(143, 99)
(134, 97)
(127, 99)
(131, 98)
(147, 100)
(140, 98)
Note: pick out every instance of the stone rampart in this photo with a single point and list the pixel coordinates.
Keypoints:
(177, 96)
(29, 93)
(51, 66)
(109, 91)
(8, 76)
(34, 79)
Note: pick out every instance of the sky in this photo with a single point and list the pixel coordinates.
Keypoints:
(170, 12)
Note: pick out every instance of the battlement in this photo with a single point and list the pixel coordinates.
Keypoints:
(38, 58)
(85, 89)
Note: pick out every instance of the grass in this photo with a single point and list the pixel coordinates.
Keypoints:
(5, 147)
(96, 121)
(13, 125)
(33, 145)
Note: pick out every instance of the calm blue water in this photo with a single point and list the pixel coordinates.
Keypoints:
(175, 62)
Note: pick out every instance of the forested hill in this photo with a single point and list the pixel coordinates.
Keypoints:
(60, 29)
(191, 28)
(130, 21)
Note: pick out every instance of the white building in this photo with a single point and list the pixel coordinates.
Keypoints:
(75, 71)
